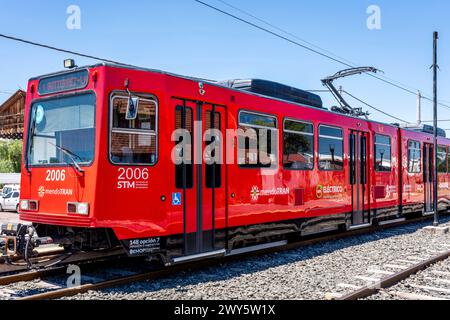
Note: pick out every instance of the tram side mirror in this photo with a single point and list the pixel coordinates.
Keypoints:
(132, 108)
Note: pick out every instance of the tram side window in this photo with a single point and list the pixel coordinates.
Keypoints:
(184, 120)
(298, 145)
(257, 140)
(133, 142)
(442, 159)
(414, 157)
(331, 149)
(382, 153)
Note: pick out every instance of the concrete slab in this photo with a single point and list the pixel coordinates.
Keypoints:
(413, 296)
(333, 296)
(437, 230)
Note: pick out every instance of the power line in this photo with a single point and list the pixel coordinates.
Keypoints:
(353, 64)
(391, 82)
(283, 30)
(375, 108)
(348, 62)
(120, 63)
(203, 3)
(273, 33)
(430, 121)
(365, 103)
(63, 50)
(228, 14)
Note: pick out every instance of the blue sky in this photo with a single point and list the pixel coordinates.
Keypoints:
(184, 37)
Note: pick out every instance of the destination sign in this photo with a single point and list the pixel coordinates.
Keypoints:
(64, 82)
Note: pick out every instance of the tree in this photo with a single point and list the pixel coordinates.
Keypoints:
(10, 156)
(15, 155)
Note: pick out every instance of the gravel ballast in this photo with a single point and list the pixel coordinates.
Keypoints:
(311, 272)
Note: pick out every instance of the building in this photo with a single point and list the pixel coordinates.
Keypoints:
(12, 116)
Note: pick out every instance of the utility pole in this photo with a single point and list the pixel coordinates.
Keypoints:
(419, 108)
(435, 70)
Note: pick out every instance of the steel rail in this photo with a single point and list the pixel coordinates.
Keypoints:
(389, 281)
(12, 273)
(196, 265)
(47, 254)
(30, 275)
(151, 275)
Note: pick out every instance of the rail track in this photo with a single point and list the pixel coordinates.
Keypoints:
(118, 277)
(390, 278)
(53, 259)
(431, 284)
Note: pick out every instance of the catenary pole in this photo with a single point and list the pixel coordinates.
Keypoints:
(435, 181)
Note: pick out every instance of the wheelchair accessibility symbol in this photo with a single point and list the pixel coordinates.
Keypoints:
(176, 199)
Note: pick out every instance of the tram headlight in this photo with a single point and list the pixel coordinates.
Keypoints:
(81, 208)
(69, 64)
(24, 204)
(29, 205)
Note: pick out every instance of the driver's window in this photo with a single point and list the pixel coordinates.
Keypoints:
(8, 196)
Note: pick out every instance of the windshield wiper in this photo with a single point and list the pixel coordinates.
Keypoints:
(71, 156)
(31, 140)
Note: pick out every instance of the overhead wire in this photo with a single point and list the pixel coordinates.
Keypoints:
(374, 108)
(365, 103)
(46, 46)
(330, 54)
(6, 92)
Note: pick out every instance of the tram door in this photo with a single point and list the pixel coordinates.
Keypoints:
(359, 177)
(200, 175)
(428, 174)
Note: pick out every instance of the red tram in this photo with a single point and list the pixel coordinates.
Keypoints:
(99, 168)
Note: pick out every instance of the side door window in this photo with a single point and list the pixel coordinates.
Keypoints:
(382, 153)
(442, 159)
(184, 170)
(414, 157)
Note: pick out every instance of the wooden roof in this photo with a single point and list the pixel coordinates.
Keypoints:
(12, 116)
(17, 98)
